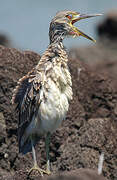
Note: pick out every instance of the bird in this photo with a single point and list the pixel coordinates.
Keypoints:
(43, 95)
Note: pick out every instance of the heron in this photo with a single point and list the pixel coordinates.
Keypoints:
(42, 96)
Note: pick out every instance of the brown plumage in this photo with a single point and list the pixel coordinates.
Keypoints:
(27, 93)
(43, 95)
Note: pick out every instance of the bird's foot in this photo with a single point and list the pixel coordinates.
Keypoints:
(47, 171)
(39, 170)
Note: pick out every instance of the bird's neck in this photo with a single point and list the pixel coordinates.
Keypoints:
(56, 35)
(56, 38)
(55, 53)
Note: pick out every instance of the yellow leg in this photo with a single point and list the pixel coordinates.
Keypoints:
(48, 168)
(47, 143)
(36, 167)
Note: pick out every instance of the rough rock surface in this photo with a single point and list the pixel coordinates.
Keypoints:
(79, 174)
(89, 129)
(108, 27)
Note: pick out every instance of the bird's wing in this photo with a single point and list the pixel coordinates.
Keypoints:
(27, 98)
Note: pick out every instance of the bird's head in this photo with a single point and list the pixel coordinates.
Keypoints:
(62, 25)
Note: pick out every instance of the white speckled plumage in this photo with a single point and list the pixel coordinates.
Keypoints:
(54, 95)
(43, 95)
(53, 80)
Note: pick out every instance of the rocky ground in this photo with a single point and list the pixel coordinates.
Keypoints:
(91, 124)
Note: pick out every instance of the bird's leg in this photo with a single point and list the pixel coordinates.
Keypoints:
(35, 167)
(47, 143)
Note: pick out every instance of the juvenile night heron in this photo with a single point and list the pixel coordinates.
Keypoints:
(42, 96)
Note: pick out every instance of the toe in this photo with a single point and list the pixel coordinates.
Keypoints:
(40, 171)
(48, 172)
(36, 168)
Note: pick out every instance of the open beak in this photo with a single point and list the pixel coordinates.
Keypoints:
(79, 17)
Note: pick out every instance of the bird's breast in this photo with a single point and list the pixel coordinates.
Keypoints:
(55, 95)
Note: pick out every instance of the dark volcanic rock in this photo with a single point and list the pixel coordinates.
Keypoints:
(89, 129)
(108, 27)
(4, 40)
(13, 65)
(101, 57)
(80, 174)
(2, 128)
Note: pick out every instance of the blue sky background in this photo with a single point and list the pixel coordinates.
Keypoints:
(26, 22)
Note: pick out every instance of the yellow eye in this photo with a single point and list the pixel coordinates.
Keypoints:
(69, 16)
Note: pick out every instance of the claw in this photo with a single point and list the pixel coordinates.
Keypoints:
(48, 172)
(41, 171)
(36, 168)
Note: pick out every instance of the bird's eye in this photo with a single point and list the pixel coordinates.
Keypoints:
(69, 16)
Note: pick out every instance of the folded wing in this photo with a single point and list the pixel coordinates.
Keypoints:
(27, 99)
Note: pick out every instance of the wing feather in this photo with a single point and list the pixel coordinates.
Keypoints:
(27, 99)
